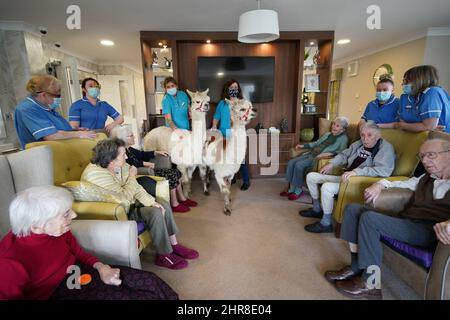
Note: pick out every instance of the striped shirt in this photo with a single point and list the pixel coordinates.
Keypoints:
(121, 183)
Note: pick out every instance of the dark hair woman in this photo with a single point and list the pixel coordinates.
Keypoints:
(90, 112)
(231, 91)
(109, 170)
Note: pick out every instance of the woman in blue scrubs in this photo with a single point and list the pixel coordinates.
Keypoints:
(36, 117)
(176, 106)
(424, 105)
(231, 90)
(90, 113)
(384, 109)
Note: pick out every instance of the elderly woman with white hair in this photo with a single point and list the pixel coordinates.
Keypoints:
(36, 254)
(330, 144)
(142, 161)
(370, 156)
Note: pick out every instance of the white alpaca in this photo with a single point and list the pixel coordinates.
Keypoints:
(226, 161)
(184, 146)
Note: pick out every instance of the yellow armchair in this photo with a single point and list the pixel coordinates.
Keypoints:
(70, 157)
(406, 146)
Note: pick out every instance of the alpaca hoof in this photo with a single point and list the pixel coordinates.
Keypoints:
(206, 193)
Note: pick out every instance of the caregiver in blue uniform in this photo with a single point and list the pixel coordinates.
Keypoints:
(424, 105)
(36, 117)
(90, 113)
(231, 90)
(384, 109)
(176, 105)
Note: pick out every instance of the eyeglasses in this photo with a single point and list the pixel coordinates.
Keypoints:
(50, 93)
(430, 155)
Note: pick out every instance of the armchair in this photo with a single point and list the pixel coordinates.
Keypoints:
(406, 145)
(113, 242)
(70, 157)
(430, 281)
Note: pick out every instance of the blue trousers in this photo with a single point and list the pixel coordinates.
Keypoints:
(297, 168)
(245, 172)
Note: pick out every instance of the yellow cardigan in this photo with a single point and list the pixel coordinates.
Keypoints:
(121, 183)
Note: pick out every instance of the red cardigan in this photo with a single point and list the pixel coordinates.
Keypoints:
(32, 267)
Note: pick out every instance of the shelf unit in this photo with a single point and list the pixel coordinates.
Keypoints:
(289, 53)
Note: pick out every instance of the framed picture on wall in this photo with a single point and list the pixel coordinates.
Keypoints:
(159, 83)
(312, 83)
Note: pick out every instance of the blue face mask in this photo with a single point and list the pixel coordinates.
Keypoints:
(407, 88)
(383, 95)
(233, 93)
(93, 92)
(56, 103)
(172, 91)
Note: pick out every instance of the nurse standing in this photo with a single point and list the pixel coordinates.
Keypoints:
(175, 106)
(222, 117)
(424, 105)
(90, 112)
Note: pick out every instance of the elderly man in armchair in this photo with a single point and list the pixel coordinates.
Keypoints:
(425, 221)
(370, 156)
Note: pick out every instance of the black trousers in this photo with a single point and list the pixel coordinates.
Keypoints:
(363, 226)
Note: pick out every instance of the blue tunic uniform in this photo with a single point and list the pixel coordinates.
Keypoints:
(408, 110)
(382, 113)
(178, 107)
(34, 121)
(90, 116)
(223, 115)
(434, 102)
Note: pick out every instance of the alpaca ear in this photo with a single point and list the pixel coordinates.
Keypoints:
(228, 101)
(206, 91)
(190, 93)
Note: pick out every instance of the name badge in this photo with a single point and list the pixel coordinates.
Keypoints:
(408, 107)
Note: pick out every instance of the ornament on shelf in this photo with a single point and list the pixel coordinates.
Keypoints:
(284, 125)
(307, 134)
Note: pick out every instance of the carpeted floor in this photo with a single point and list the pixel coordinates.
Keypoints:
(261, 251)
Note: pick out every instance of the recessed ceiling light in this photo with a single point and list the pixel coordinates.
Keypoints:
(311, 43)
(343, 41)
(208, 41)
(107, 43)
(220, 74)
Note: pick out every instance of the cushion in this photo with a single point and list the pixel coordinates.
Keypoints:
(140, 227)
(420, 256)
(88, 192)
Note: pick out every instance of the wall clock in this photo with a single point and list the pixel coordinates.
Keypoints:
(383, 70)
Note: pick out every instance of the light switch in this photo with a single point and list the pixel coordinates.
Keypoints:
(357, 95)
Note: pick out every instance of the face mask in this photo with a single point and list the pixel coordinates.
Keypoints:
(407, 89)
(93, 92)
(383, 95)
(172, 91)
(233, 93)
(56, 103)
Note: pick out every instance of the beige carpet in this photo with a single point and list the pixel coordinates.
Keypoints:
(261, 251)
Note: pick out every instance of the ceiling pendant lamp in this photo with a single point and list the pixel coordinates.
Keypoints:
(258, 26)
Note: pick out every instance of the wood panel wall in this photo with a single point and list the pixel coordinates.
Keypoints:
(285, 77)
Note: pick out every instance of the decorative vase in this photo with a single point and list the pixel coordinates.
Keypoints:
(307, 134)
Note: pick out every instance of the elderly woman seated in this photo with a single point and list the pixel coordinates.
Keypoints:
(109, 170)
(370, 156)
(424, 221)
(141, 160)
(330, 144)
(36, 254)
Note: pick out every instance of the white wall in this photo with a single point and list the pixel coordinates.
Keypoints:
(357, 91)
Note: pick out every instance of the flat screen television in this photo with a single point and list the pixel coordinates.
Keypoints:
(255, 75)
